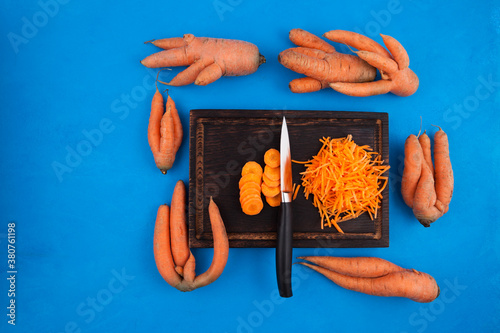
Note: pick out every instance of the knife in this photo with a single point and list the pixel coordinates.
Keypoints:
(285, 232)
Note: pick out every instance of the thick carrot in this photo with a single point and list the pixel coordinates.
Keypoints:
(306, 39)
(444, 171)
(221, 248)
(162, 251)
(425, 143)
(178, 132)
(356, 266)
(417, 286)
(211, 58)
(178, 226)
(157, 109)
(412, 169)
(424, 201)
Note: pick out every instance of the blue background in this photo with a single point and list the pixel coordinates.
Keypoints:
(86, 235)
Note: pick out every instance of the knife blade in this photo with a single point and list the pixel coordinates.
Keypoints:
(285, 226)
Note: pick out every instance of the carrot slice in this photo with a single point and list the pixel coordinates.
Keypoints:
(248, 197)
(251, 177)
(274, 201)
(253, 206)
(270, 191)
(248, 185)
(272, 158)
(272, 173)
(269, 182)
(251, 167)
(248, 192)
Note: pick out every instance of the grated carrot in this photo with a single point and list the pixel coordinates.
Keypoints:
(345, 181)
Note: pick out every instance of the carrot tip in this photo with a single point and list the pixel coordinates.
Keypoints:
(163, 171)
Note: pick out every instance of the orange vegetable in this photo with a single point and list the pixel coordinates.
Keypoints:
(272, 158)
(251, 167)
(251, 177)
(253, 206)
(270, 191)
(417, 286)
(269, 182)
(412, 169)
(425, 144)
(274, 201)
(208, 58)
(444, 171)
(178, 227)
(345, 181)
(272, 173)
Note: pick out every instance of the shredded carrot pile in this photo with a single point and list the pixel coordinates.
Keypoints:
(345, 180)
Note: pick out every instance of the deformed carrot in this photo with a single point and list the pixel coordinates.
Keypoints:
(417, 286)
(157, 109)
(424, 201)
(356, 266)
(178, 226)
(178, 132)
(443, 171)
(412, 169)
(306, 39)
(221, 248)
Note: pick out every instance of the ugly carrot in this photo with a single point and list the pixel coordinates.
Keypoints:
(412, 169)
(425, 143)
(424, 201)
(221, 248)
(157, 109)
(443, 170)
(417, 286)
(165, 157)
(178, 132)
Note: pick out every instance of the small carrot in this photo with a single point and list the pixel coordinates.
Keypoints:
(357, 266)
(221, 248)
(306, 85)
(178, 227)
(444, 171)
(306, 39)
(417, 286)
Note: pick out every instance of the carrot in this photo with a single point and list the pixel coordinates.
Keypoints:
(272, 158)
(178, 132)
(165, 245)
(412, 169)
(397, 50)
(178, 226)
(424, 201)
(269, 182)
(252, 206)
(274, 201)
(165, 157)
(270, 191)
(244, 198)
(272, 173)
(357, 41)
(162, 251)
(221, 248)
(157, 109)
(251, 167)
(249, 185)
(425, 143)
(417, 286)
(357, 266)
(306, 84)
(444, 171)
(208, 58)
(251, 177)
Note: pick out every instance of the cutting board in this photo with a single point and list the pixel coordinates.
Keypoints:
(222, 141)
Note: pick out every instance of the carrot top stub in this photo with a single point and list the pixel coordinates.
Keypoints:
(345, 181)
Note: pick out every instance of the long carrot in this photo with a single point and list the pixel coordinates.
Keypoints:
(412, 169)
(178, 227)
(165, 157)
(356, 266)
(209, 58)
(444, 171)
(425, 143)
(157, 109)
(417, 286)
(221, 248)
(162, 251)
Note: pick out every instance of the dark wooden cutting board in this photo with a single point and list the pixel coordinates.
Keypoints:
(222, 141)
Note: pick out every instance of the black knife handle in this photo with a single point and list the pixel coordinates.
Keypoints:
(284, 250)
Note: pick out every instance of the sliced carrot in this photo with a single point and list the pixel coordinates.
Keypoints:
(272, 173)
(274, 201)
(248, 185)
(251, 167)
(251, 177)
(253, 206)
(272, 158)
(249, 197)
(270, 191)
(269, 182)
(250, 191)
